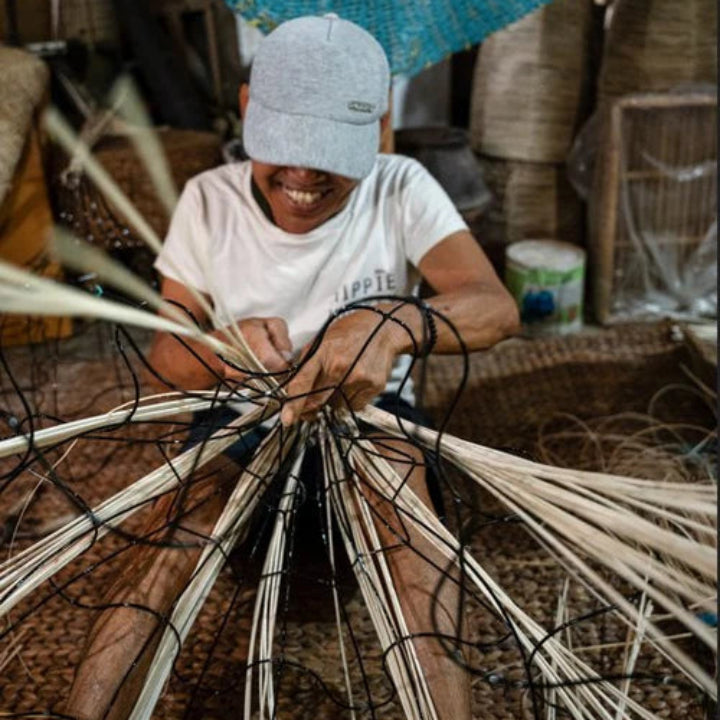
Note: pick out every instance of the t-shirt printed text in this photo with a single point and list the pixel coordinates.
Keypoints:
(381, 282)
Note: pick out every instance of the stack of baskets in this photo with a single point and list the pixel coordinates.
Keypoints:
(25, 212)
(658, 45)
(530, 91)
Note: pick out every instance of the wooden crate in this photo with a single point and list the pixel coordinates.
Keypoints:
(653, 205)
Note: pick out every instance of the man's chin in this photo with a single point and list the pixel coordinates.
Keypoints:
(298, 224)
(295, 218)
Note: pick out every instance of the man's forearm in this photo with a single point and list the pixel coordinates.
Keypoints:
(482, 316)
(186, 365)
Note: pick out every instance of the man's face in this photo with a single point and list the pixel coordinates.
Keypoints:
(301, 199)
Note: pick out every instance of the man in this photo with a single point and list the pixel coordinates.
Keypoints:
(314, 220)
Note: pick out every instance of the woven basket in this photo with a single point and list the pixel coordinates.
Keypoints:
(24, 86)
(655, 45)
(532, 200)
(530, 82)
(88, 20)
(188, 153)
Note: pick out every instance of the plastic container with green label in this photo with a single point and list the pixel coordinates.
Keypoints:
(547, 280)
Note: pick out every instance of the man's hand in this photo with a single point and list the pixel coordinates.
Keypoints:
(353, 362)
(269, 340)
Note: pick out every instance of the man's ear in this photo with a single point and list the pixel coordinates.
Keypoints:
(387, 136)
(244, 97)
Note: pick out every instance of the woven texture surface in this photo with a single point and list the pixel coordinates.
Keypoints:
(530, 84)
(23, 85)
(413, 34)
(512, 390)
(655, 45)
(188, 153)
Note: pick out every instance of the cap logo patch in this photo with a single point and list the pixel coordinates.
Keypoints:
(360, 106)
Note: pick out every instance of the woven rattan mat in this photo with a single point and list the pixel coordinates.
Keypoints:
(514, 388)
(511, 391)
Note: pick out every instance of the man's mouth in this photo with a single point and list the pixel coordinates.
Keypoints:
(303, 198)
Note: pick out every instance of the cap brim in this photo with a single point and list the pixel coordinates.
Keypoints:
(278, 138)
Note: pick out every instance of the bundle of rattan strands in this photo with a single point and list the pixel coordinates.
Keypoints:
(630, 444)
(658, 536)
(530, 84)
(575, 514)
(656, 45)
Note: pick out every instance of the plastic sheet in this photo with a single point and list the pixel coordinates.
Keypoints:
(653, 206)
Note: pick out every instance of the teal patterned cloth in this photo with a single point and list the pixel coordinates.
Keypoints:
(414, 33)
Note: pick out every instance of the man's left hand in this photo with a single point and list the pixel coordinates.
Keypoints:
(351, 365)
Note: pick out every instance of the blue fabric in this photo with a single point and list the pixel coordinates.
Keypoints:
(414, 33)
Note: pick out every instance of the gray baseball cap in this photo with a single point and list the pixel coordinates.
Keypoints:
(318, 88)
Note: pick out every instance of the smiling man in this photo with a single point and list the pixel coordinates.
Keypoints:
(277, 244)
(318, 218)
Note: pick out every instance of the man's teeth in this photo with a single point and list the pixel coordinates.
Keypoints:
(302, 197)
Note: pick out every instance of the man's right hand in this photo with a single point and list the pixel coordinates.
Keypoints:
(198, 367)
(269, 340)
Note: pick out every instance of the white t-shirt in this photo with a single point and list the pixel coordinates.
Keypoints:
(221, 243)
